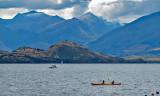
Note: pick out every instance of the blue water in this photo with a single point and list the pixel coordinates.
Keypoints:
(75, 79)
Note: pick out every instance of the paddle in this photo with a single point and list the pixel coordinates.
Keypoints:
(110, 81)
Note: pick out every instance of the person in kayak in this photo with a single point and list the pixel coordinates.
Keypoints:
(103, 82)
(112, 82)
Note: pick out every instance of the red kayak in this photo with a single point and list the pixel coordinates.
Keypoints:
(105, 84)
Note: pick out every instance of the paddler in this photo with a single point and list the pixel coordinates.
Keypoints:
(103, 82)
(112, 82)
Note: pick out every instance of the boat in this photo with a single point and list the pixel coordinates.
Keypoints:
(53, 66)
(105, 84)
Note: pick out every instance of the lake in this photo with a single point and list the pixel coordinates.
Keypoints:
(75, 79)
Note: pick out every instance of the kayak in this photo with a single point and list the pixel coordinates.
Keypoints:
(105, 84)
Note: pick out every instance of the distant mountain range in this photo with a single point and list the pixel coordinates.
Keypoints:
(65, 51)
(71, 30)
(98, 25)
(39, 30)
(140, 37)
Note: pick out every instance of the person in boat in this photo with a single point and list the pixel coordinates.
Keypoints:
(112, 82)
(54, 66)
(103, 82)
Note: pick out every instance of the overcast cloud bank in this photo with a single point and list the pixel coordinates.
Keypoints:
(123, 11)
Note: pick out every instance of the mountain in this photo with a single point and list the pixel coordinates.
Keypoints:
(39, 30)
(67, 51)
(72, 30)
(24, 29)
(3, 47)
(71, 52)
(32, 21)
(135, 38)
(12, 39)
(97, 25)
(112, 25)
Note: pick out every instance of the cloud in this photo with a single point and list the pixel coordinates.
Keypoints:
(65, 13)
(123, 10)
(78, 10)
(41, 4)
(64, 8)
(11, 12)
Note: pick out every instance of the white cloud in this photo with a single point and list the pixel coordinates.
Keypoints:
(65, 13)
(123, 11)
(11, 12)
(55, 1)
(64, 8)
(41, 4)
(59, 1)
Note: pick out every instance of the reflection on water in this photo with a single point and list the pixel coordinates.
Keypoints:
(74, 80)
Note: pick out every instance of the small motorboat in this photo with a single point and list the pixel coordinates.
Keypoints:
(53, 66)
(105, 84)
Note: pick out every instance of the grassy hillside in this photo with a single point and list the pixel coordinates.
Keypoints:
(67, 51)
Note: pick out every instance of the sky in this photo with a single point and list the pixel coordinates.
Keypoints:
(123, 11)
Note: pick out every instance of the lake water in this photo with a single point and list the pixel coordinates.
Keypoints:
(75, 79)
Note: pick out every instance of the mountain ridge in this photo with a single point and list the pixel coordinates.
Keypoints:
(134, 38)
(65, 51)
(96, 24)
(47, 30)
